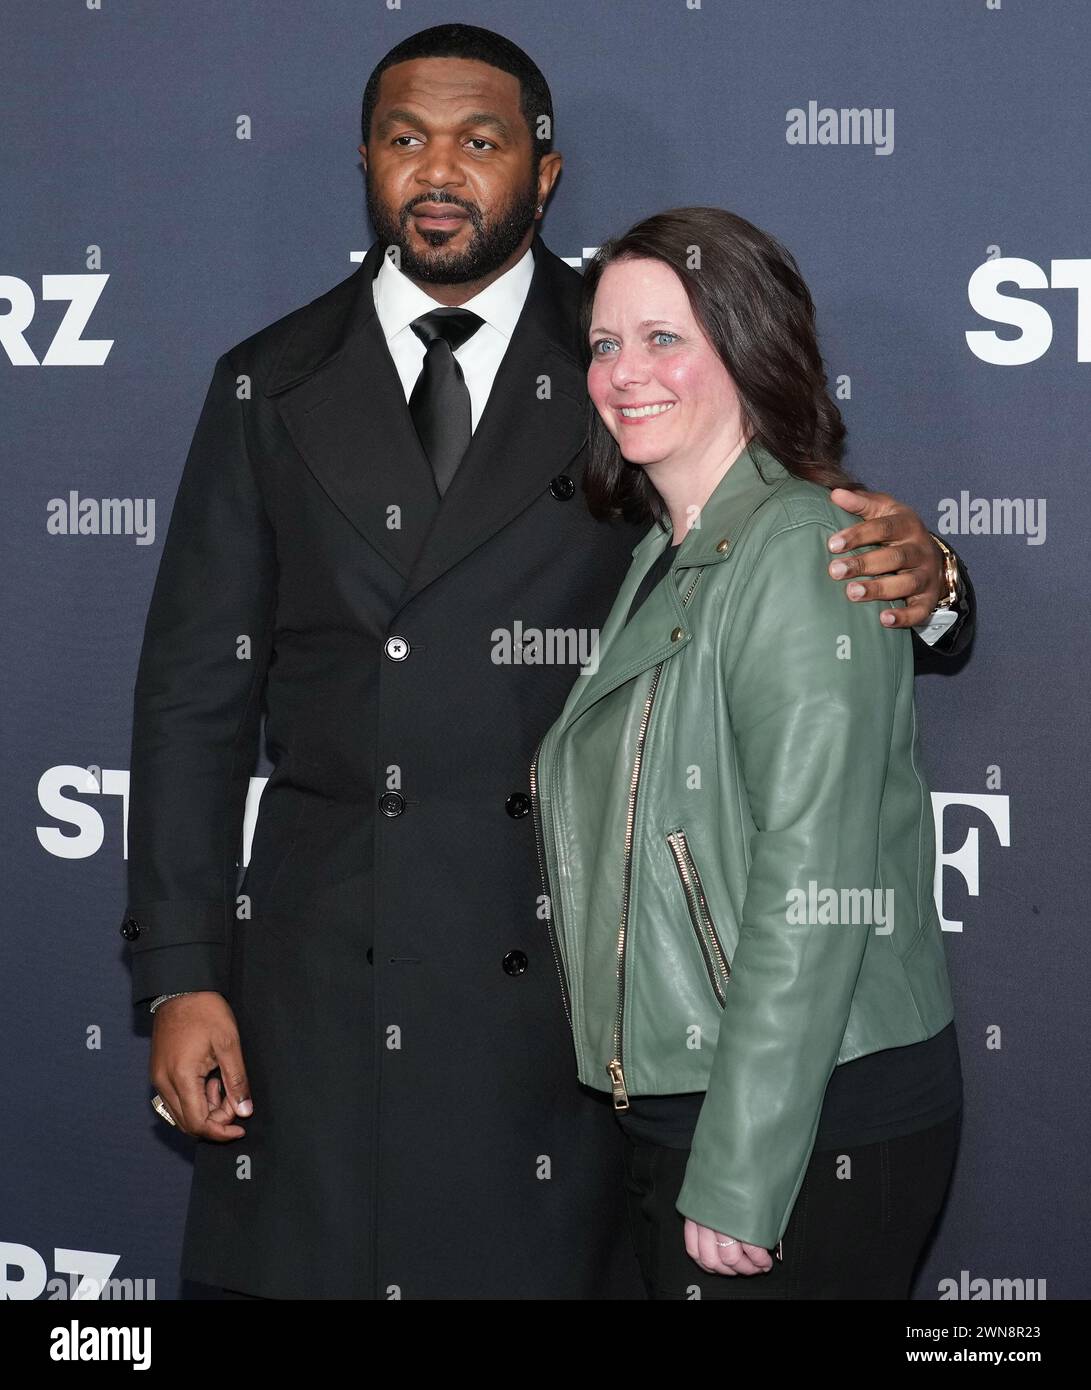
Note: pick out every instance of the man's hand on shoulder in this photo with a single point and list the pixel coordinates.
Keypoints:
(908, 564)
(193, 1035)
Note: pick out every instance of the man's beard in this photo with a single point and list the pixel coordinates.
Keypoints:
(490, 245)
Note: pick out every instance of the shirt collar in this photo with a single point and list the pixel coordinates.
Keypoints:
(398, 301)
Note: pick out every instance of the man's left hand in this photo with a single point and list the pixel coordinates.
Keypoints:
(908, 564)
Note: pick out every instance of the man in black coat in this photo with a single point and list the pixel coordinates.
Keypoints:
(379, 543)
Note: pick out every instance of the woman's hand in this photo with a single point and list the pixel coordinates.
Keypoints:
(720, 1254)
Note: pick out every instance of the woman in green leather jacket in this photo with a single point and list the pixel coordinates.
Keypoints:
(735, 836)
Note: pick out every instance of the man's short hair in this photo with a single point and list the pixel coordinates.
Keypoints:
(484, 46)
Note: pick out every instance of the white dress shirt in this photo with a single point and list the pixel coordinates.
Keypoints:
(398, 301)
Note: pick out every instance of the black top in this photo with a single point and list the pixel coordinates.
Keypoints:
(660, 566)
(886, 1094)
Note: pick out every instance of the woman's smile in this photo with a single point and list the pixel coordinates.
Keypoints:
(640, 414)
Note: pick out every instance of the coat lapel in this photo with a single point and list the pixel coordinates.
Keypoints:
(339, 395)
(533, 425)
(341, 400)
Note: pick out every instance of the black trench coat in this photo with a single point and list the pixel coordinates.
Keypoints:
(418, 1128)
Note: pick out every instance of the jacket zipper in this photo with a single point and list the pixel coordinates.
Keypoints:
(701, 918)
(614, 1068)
(539, 840)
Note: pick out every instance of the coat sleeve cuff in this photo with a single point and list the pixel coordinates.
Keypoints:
(176, 946)
(180, 969)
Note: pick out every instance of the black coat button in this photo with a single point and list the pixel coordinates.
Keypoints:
(517, 805)
(130, 929)
(392, 803)
(515, 963)
(562, 487)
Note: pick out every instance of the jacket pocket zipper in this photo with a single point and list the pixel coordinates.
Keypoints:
(717, 965)
(705, 928)
(614, 1068)
(539, 840)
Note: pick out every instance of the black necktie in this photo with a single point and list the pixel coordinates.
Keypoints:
(440, 402)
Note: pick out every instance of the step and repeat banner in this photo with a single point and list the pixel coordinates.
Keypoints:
(177, 175)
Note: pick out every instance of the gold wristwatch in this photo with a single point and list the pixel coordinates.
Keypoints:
(950, 573)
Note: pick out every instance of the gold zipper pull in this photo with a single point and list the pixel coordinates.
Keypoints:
(617, 1085)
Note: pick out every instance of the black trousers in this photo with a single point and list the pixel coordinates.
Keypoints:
(857, 1230)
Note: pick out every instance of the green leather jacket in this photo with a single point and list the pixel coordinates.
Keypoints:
(737, 843)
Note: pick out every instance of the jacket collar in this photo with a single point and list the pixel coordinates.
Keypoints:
(750, 480)
(661, 628)
(338, 392)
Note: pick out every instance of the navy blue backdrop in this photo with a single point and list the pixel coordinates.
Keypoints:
(177, 176)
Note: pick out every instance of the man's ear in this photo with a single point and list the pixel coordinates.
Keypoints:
(363, 155)
(549, 170)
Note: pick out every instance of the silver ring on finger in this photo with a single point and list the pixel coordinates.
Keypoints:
(160, 1107)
